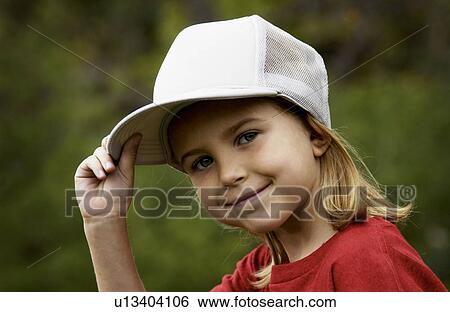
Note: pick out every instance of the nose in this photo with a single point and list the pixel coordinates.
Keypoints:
(232, 172)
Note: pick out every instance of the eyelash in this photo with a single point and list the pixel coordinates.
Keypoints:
(194, 164)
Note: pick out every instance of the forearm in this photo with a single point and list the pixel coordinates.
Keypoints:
(114, 266)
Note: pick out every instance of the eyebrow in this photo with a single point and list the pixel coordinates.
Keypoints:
(229, 131)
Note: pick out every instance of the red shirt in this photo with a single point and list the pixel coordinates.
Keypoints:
(367, 256)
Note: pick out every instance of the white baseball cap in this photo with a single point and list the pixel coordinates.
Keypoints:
(237, 58)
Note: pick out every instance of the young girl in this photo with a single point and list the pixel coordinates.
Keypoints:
(241, 107)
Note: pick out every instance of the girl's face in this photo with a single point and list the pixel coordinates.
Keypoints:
(238, 148)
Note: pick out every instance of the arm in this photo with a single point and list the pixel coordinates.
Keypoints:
(105, 228)
(114, 265)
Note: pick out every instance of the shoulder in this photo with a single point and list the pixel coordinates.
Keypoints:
(374, 256)
(257, 258)
(375, 235)
(362, 261)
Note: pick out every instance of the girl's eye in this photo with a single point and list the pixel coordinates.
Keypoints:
(202, 163)
(247, 137)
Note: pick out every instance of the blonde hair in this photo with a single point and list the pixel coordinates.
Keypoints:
(340, 166)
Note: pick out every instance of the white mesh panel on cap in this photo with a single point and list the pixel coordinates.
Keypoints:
(295, 69)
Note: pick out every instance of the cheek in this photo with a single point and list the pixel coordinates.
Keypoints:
(271, 156)
(206, 179)
(289, 161)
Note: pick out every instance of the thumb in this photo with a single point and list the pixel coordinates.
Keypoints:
(129, 152)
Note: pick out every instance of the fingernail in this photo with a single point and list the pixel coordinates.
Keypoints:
(109, 165)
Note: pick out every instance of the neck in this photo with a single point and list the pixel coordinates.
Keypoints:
(302, 237)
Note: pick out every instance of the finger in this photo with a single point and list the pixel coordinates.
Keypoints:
(104, 141)
(129, 152)
(95, 166)
(105, 159)
(83, 171)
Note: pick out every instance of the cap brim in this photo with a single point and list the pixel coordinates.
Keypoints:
(148, 121)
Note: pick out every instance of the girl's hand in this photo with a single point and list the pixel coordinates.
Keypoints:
(98, 173)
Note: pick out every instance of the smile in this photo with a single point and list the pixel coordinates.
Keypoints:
(249, 197)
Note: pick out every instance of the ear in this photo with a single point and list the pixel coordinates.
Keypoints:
(319, 141)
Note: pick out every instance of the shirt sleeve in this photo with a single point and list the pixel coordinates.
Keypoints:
(243, 273)
(385, 263)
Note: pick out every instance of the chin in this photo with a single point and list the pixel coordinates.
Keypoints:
(262, 226)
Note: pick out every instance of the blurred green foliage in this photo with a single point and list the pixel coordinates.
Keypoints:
(55, 108)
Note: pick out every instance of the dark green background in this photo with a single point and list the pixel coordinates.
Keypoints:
(55, 108)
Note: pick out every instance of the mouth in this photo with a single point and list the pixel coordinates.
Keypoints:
(248, 196)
